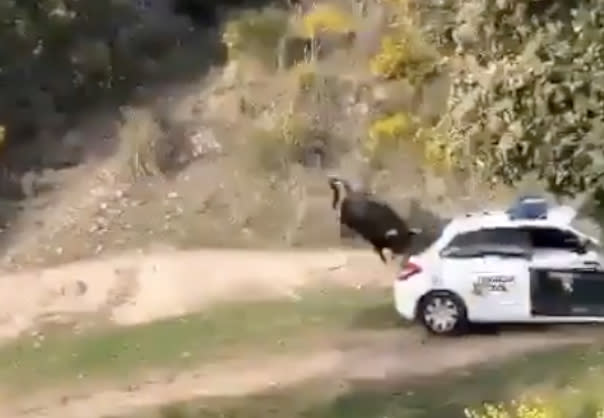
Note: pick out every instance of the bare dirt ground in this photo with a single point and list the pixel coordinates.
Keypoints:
(137, 288)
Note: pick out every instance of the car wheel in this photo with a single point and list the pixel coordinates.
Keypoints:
(443, 313)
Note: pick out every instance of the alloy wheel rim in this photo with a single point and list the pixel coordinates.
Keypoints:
(441, 314)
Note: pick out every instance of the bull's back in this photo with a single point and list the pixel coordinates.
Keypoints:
(372, 218)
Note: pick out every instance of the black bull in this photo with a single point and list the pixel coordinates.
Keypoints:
(376, 222)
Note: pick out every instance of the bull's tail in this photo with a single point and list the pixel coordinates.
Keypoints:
(340, 188)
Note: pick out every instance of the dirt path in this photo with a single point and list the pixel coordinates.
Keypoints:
(138, 288)
(378, 356)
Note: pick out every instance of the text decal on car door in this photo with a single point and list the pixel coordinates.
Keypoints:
(492, 283)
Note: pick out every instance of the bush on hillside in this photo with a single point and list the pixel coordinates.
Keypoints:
(442, 153)
(326, 17)
(386, 134)
(404, 53)
(390, 130)
(528, 408)
(295, 138)
(256, 34)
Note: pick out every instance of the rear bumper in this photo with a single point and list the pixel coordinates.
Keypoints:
(405, 301)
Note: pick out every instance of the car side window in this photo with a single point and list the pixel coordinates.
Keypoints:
(553, 238)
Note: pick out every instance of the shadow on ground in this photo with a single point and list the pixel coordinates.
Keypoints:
(445, 396)
(503, 328)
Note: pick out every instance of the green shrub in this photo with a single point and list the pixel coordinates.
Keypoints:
(256, 34)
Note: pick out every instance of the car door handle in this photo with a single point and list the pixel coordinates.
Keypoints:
(592, 264)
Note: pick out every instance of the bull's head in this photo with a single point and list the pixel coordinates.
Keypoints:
(340, 189)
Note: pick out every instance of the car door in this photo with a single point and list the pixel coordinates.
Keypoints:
(501, 286)
(489, 269)
(568, 280)
(501, 279)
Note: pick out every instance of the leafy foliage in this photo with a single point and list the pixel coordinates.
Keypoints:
(59, 56)
(441, 152)
(533, 409)
(529, 97)
(527, 408)
(404, 54)
(386, 135)
(326, 17)
(255, 33)
(390, 129)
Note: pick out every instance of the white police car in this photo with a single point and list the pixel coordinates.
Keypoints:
(526, 264)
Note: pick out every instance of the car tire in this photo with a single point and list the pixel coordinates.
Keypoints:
(443, 313)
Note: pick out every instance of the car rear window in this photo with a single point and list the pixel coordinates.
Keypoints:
(491, 236)
(496, 241)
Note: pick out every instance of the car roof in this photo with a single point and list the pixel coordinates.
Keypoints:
(558, 217)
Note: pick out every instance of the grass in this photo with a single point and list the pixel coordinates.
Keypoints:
(553, 373)
(221, 332)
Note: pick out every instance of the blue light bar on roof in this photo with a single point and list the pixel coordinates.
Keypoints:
(528, 207)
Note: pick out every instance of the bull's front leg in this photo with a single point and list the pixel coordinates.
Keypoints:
(381, 254)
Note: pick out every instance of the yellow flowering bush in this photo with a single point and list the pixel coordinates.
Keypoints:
(441, 151)
(388, 133)
(391, 127)
(404, 53)
(534, 408)
(326, 18)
